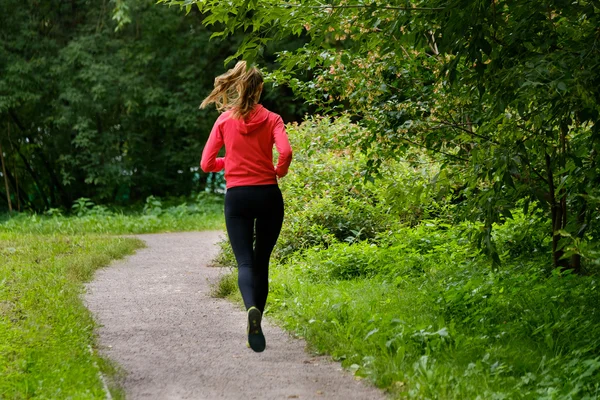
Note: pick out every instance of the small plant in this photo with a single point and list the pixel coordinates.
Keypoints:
(153, 206)
(54, 212)
(82, 206)
(226, 285)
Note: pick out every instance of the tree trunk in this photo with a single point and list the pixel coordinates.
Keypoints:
(17, 185)
(35, 178)
(21, 196)
(558, 217)
(5, 180)
(31, 171)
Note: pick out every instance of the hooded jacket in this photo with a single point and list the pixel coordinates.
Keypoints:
(248, 145)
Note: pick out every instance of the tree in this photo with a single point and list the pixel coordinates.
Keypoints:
(101, 114)
(504, 91)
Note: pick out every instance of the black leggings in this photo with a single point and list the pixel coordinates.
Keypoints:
(253, 215)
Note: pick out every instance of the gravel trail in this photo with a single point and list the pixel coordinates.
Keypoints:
(159, 323)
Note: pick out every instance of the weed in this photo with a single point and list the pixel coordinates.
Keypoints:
(226, 286)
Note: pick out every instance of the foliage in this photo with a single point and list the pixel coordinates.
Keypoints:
(205, 211)
(415, 307)
(328, 199)
(504, 91)
(420, 315)
(87, 112)
(46, 333)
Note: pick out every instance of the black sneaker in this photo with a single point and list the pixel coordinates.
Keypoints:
(256, 339)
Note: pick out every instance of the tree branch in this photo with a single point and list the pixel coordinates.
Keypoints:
(434, 150)
(368, 6)
(469, 131)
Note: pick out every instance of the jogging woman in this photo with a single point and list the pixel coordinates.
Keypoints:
(253, 202)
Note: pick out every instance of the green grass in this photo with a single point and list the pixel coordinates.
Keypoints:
(424, 316)
(45, 330)
(227, 287)
(116, 224)
(205, 212)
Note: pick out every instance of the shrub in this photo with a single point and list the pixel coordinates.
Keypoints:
(329, 198)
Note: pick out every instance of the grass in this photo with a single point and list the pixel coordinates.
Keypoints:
(424, 316)
(205, 212)
(226, 286)
(45, 330)
(117, 224)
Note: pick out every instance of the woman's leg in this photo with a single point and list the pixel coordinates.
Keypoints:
(243, 206)
(240, 229)
(268, 227)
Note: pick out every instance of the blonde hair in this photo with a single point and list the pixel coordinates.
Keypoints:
(237, 89)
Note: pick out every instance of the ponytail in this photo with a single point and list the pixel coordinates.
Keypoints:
(238, 89)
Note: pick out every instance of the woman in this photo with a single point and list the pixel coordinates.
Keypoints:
(253, 202)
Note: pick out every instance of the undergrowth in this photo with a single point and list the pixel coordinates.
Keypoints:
(425, 317)
(204, 212)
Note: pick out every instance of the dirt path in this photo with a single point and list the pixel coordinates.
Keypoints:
(159, 323)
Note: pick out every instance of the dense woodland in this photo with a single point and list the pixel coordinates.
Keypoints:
(100, 100)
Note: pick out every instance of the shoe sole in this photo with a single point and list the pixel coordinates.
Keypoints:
(256, 339)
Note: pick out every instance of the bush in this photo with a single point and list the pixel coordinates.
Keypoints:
(328, 198)
(380, 276)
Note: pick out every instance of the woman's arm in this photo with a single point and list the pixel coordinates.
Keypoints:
(210, 162)
(283, 148)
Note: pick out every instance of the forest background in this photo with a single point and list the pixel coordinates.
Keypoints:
(443, 209)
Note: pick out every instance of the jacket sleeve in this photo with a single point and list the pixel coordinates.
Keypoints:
(283, 147)
(210, 162)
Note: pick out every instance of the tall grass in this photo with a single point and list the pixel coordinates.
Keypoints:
(205, 212)
(425, 317)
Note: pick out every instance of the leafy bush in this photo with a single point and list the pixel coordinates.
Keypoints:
(328, 198)
(405, 253)
(380, 276)
(523, 235)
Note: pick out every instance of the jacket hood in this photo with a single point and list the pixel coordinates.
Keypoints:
(253, 121)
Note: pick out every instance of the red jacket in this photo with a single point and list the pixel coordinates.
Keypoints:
(248, 144)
